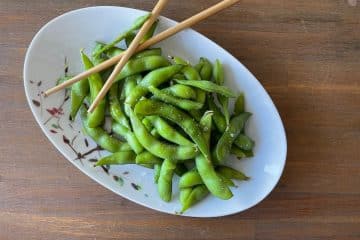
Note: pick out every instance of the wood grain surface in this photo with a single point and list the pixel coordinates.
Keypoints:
(307, 56)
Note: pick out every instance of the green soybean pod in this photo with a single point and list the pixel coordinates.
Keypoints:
(116, 111)
(239, 153)
(219, 78)
(218, 73)
(216, 185)
(114, 51)
(179, 60)
(179, 76)
(167, 131)
(189, 179)
(124, 157)
(184, 194)
(190, 73)
(224, 101)
(96, 117)
(129, 38)
(239, 106)
(139, 65)
(206, 69)
(178, 102)
(199, 65)
(100, 58)
(188, 124)
(157, 168)
(129, 84)
(79, 91)
(135, 26)
(147, 158)
(148, 52)
(181, 91)
(165, 180)
(193, 178)
(158, 148)
(218, 117)
(154, 78)
(244, 142)
(231, 173)
(104, 74)
(223, 147)
(150, 33)
(206, 123)
(147, 35)
(208, 87)
(147, 123)
(129, 136)
(155, 133)
(197, 194)
(101, 137)
(98, 46)
(226, 180)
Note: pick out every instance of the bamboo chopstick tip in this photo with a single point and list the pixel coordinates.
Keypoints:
(91, 108)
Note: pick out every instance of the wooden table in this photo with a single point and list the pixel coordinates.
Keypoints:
(307, 56)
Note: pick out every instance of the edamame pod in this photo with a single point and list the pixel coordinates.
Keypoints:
(218, 75)
(218, 117)
(167, 131)
(154, 78)
(147, 158)
(239, 106)
(208, 86)
(129, 136)
(178, 102)
(158, 148)
(96, 117)
(136, 25)
(197, 194)
(223, 147)
(244, 142)
(215, 184)
(181, 91)
(165, 180)
(231, 173)
(187, 123)
(116, 111)
(139, 65)
(101, 137)
(206, 69)
(123, 157)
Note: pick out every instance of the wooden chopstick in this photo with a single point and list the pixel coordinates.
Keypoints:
(158, 38)
(128, 53)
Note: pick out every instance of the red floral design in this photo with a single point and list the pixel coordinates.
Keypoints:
(55, 112)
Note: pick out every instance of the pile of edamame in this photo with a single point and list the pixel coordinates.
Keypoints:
(167, 115)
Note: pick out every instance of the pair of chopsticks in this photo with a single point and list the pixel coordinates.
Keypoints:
(121, 59)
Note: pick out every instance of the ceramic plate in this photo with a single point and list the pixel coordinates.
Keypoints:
(55, 49)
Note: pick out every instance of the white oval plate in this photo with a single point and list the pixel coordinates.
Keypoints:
(64, 36)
